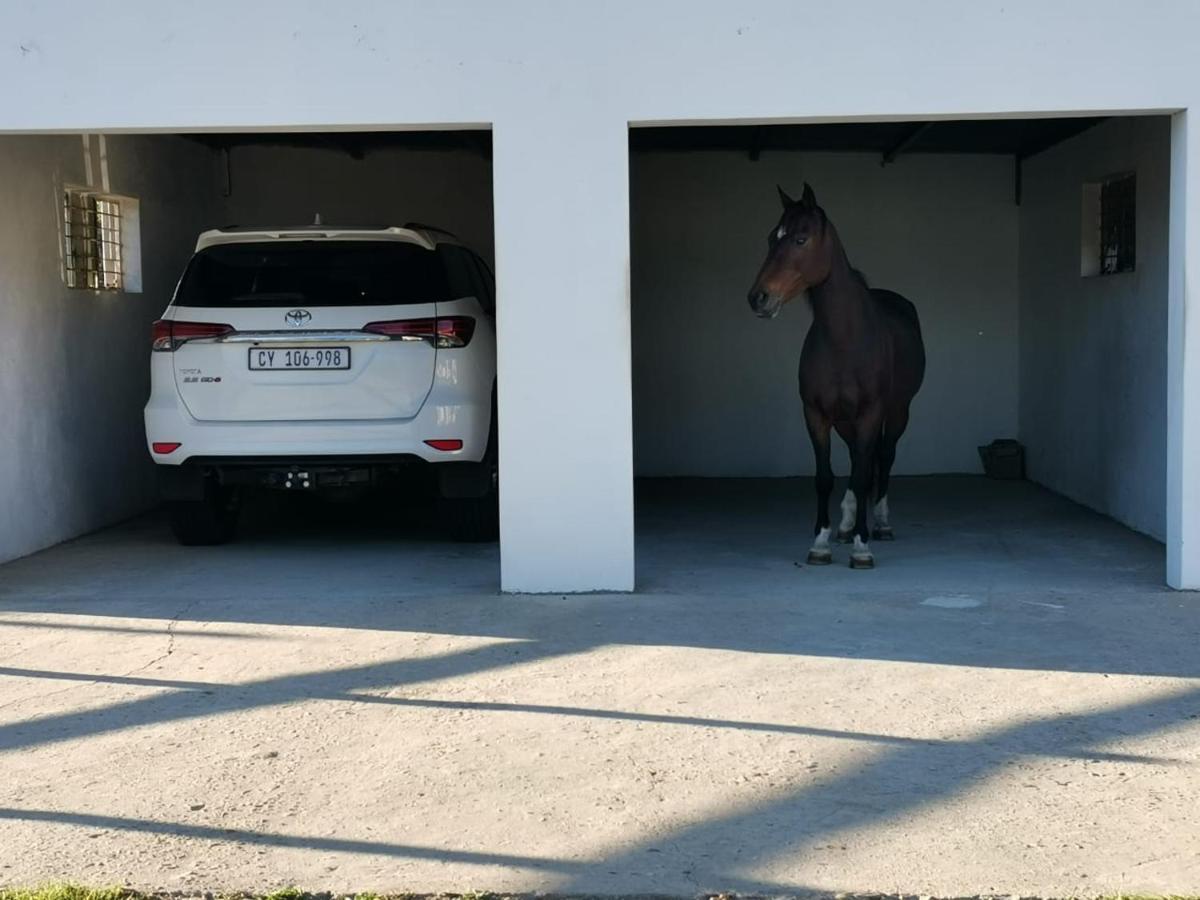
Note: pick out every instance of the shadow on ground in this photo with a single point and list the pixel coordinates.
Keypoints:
(984, 575)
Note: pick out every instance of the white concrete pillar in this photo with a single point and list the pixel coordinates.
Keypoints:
(561, 188)
(1183, 360)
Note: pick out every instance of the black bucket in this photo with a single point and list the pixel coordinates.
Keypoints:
(1004, 459)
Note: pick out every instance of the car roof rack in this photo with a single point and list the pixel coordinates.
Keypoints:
(230, 228)
(423, 227)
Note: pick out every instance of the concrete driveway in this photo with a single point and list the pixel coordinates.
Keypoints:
(1010, 702)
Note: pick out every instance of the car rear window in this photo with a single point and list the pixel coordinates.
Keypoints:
(313, 273)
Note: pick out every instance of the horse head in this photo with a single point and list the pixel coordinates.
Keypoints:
(799, 255)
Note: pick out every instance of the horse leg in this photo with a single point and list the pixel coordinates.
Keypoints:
(849, 514)
(845, 531)
(892, 430)
(818, 431)
(863, 455)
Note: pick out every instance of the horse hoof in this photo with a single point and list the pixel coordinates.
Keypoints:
(845, 537)
(858, 561)
(884, 534)
(820, 557)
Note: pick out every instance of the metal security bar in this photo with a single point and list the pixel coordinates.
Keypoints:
(1117, 225)
(92, 241)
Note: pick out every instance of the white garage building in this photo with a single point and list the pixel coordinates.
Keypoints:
(618, 163)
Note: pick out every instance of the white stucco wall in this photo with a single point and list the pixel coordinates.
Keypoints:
(280, 184)
(715, 389)
(73, 372)
(1093, 360)
(560, 83)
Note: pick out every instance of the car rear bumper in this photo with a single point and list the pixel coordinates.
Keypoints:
(454, 479)
(167, 421)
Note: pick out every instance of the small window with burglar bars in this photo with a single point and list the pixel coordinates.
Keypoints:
(92, 258)
(1109, 239)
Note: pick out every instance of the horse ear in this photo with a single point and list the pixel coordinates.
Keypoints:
(808, 199)
(784, 198)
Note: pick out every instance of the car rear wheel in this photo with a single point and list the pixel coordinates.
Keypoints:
(475, 519)
(472, 519)
(208, 521)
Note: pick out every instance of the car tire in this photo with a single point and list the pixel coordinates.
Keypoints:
(476, 520)
(471, 519)
(206, 522)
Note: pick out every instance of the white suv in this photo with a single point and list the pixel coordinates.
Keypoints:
(325, 358)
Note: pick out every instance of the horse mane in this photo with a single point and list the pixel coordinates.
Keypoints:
(859, 276)
(826, 222)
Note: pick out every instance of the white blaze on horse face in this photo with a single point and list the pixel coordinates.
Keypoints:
(881, 512)
(781, 233)
(849, 512)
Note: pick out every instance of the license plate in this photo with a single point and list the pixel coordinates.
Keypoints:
(304, 359)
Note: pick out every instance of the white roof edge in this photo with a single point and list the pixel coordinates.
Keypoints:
(309, 233)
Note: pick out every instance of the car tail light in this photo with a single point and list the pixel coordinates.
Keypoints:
(445, 444)
(165, 446)
(168, 335)
(446, 332)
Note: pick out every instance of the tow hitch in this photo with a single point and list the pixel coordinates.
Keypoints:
(296, 478)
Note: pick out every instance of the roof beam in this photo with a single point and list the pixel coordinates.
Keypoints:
(757, 139)
(1043, 144)
(905, 142)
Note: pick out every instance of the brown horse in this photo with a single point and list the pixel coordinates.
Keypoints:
(862, 363)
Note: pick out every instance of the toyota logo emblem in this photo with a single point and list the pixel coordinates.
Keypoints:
(297, 318)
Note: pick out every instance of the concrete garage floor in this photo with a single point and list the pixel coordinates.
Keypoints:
(1010, 702)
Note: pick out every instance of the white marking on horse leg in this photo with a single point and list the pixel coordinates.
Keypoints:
(861, 552)
(881, 513)
(822, 540)
(849, 512)
(820, 554)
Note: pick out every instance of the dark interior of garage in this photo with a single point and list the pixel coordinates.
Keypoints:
(991, 227)
(1044, 328)
(143, 200)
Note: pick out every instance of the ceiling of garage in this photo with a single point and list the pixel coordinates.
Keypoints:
(1016, 137)
(356, 144)
(1021, 138)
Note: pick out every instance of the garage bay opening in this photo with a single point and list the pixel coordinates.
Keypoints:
(290, 343)
(1035, 254)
